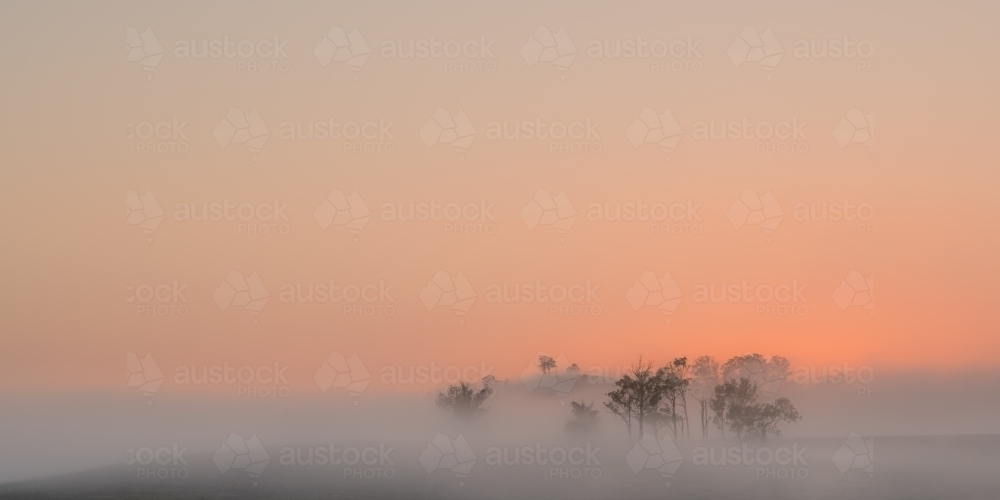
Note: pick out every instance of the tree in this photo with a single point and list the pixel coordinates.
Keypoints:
(546, 363)
(674, 383)
(767, 375)
(584, 418)
(768, 415)
(735, 403)
(638, 395)
(464, 400)
(705, 377)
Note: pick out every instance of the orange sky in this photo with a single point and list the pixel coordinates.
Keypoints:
(67, 162)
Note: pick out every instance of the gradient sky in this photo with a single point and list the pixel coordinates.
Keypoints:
(68, 256)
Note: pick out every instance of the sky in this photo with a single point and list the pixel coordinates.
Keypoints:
(88, 126)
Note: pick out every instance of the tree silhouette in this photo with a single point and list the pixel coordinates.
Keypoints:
(546, 363)
(705, 377)
(464, 400)
(584, 418)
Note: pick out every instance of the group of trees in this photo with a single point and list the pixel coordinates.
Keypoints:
(646, 396)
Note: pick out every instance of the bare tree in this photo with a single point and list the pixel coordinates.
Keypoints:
(464, 400)
(705, 377)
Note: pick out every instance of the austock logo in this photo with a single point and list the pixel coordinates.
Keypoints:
(458, 218)
(162, 462)
(753, 210)
(855, 128)
(857, 290)
(158, 137)
(344, 373)
(545, 46)
(573, 299)
(247, 129)
(467, 55)
(358, 462)
(444, 453)
(144, 49)
(349, 211)
(143, 211)
(358, 299)
(576, 462)
(663, 218)
(856, 453)
(445, 128)
(678, 55)
(143, 374)
(651, 290)
(573, 136)
(237, 453)
(163, 299)
(661, 455)
(762, 48)
(544, 209)
(248, 292)
(445, 291)
(651, 127)
(357, 136)
(348, 48)
(769, 462)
